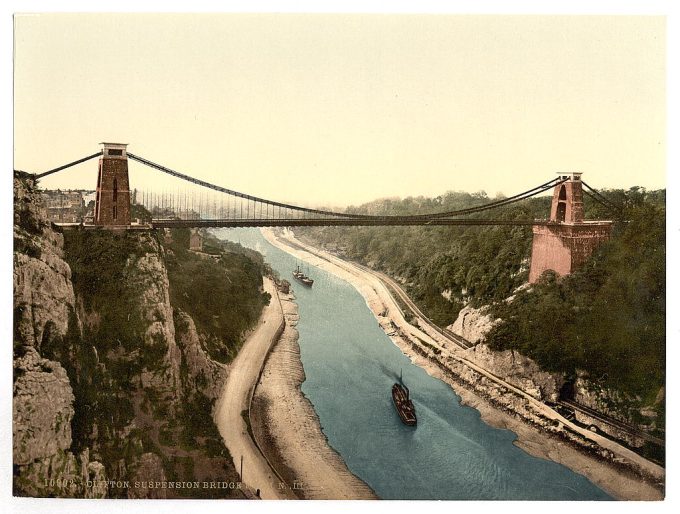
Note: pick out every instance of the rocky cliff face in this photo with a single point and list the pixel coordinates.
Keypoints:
(101, 393)
(146, 275)
(199, 371)
(519, 370)
(43, 293)
(42, 407)
(472, 324)
(614, 404)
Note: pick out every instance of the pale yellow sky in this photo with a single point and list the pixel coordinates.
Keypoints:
(338, 109)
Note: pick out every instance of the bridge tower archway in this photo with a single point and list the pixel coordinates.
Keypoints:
(567, 202)
(568, 240)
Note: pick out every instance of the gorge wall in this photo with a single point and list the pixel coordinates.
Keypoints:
(113, 386)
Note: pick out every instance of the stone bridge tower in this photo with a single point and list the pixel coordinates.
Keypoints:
(568, 240)
(112, 203)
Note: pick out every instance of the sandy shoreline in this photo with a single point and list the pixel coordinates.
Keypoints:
(618, 481)
(288, 430)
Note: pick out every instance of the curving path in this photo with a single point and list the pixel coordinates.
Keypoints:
(244, 372)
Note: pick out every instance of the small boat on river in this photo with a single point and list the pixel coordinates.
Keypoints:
(301, 277)
(403, 403)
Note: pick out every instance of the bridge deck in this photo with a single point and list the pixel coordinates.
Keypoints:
(337, 222)
(305, 222)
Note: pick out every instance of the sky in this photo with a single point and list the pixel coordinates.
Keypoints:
(338, 109)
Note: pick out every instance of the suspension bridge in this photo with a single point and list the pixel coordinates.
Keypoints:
(223, 207)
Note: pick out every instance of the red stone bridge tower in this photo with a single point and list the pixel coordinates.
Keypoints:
(568, 240)
(112, 203)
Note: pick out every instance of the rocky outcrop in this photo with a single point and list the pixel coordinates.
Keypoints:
(522, 372)
(625, 408)
(150, 468)
(518, 370)
(43, 398)
(105, 373)
(42, 408)
(43, 293)
(62, 475)
(29, 209)
(473, 324)
(199, 371)
(147, 276)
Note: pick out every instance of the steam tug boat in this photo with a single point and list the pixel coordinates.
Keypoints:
(301, 277)
(403, 404)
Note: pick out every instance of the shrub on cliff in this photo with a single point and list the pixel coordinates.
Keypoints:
(99, 263)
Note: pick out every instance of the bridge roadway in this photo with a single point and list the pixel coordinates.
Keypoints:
(383, 221)
(336, 222)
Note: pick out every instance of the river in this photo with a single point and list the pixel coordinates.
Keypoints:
(351, 364)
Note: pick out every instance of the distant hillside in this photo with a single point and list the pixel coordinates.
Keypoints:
(607, 320)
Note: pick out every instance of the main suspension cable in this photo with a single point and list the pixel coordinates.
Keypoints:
(602, 199)
(55, 170)
(505, 201)
(521, 196)
(235, 193)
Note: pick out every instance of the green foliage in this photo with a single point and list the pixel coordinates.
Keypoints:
(195, 434)
(198, 428)
(140, 212)
(223, 296)
(100, 262)
(105, 359)
(104, 362)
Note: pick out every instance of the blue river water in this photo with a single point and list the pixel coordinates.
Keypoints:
(350, 366)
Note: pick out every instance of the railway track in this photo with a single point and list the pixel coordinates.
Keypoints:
(465, 344)
(611, 421)
(393, 286)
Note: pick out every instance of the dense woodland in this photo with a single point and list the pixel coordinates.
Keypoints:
(607, 319)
